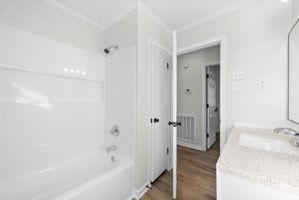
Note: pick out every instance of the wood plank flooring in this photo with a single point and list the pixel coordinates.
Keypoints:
(196, 176)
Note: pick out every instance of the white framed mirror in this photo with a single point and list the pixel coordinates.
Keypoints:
(293, 73)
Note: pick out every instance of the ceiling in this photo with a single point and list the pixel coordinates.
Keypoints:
(175, 13)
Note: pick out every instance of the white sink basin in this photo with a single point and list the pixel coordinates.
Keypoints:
(267, 144)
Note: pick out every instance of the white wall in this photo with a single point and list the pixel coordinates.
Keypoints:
(137, 28)
(256, 44)
(121, 84)
(295, 10)
(123, 33)
(194, 78)
(49, 21)
(148, 28)
(51, 91)
(121, 101)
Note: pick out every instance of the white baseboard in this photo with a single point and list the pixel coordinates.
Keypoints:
(132, 197)
(140, 192)
(192, 146)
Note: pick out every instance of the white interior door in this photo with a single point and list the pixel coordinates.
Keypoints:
(174, 116)
(160, 109)
(212, 109)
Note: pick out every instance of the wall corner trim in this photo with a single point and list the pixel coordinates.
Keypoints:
(141, 191)
(150, 14)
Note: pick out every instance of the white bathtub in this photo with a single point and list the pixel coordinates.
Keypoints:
(95, 176)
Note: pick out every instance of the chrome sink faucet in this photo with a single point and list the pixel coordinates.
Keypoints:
(111, 148)
(289, 131)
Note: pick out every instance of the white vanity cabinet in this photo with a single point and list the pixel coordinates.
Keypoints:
(231, 187)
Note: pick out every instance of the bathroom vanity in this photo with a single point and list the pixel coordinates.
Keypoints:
(258, 164)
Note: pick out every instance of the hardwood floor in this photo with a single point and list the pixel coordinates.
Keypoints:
(196, 176)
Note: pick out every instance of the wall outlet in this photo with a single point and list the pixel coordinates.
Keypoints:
(235, 86)
(238, 75)
(263, 84)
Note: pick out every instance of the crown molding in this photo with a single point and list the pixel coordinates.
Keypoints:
(142, 7)
(119, 17)
(76, 14)
(214, 16)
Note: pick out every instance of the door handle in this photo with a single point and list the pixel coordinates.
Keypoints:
(174, 124)
(156, 120)
(216, 109)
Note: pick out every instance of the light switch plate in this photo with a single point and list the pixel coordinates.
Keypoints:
(238, 75)
(263, 84)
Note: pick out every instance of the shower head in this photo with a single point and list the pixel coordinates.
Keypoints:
(107, 49)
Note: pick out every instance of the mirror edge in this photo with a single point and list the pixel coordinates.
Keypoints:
(288, 72)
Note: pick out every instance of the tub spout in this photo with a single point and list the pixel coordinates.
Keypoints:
(111, 148)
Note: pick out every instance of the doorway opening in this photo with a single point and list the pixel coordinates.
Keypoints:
(198, 138)
(199, 98)
(195, 145)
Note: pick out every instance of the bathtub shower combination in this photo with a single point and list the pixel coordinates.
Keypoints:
(57, 108)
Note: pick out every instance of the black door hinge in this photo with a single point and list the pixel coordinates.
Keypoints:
(208, 76)
(208, 135)
(167, 150)
(167, 65)
(208, 105)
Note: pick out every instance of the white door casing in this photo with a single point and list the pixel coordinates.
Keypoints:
(174, 115)
(160, 109)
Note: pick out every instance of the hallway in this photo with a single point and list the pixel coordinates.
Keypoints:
(196, 176)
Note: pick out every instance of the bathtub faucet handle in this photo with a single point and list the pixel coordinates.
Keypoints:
(115, 130)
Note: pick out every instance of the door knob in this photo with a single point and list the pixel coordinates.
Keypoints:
(174, 124)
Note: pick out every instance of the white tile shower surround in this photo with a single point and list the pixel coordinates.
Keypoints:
(274, 164)
(36, 92)
(52, 108)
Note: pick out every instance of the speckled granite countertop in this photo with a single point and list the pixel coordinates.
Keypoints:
(261, 156)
